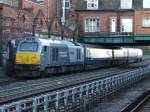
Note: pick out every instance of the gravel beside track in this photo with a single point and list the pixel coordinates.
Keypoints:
(5, 80)
(146, 107)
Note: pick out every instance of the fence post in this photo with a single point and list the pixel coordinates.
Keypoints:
(45, 103)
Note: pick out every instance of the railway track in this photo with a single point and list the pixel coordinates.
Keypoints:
(8, 81)
(146, 107)
(35, 87)
(138, 104)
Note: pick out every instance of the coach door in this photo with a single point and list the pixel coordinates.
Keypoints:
(44, 57)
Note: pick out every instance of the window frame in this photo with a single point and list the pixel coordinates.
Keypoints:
(145, 4)
(68, 3)
(121, 26)
(89, 24)
(146, 24)
(124, 4)
(92, 2)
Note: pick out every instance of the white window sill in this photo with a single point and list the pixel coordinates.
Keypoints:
(92, 8)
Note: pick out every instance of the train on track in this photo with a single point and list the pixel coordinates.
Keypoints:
(39, 57)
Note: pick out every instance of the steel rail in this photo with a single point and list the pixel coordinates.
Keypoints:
(8, 81)
(136, 105)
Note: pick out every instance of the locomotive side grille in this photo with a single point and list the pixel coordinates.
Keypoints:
(28, 58)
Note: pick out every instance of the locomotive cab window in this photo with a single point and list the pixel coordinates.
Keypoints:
(29, 47)
(44, 48)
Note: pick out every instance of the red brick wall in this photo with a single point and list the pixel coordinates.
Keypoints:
(139, 29)
(51, 8)
(20, 3)
(104, 19)
(36, 7)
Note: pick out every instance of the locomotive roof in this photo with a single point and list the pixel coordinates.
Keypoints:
(50, 41)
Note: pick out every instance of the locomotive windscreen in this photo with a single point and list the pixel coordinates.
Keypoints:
(29, 47)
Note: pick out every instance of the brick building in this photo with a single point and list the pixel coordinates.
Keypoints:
(62, 18)
(142, 23)
(19, 17)
(105, 18)
(7, 17)
(81, 18)
(39, 15)
(142, 18)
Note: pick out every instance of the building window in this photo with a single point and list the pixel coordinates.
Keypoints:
(10, 2)
(67, 4)
(146, 22)
(126, 4)
(146, 3)
(92, 25)
(39, 1)
(113, 23)
(92, 4)
(126, 25)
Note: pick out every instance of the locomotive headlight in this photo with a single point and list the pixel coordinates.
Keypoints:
(18, 61)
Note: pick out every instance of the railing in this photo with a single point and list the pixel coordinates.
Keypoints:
(106, 34)
(76, 98)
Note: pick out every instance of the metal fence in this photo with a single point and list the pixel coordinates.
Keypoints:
(77, 98)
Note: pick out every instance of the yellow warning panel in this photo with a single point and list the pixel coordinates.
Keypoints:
(28, 58)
